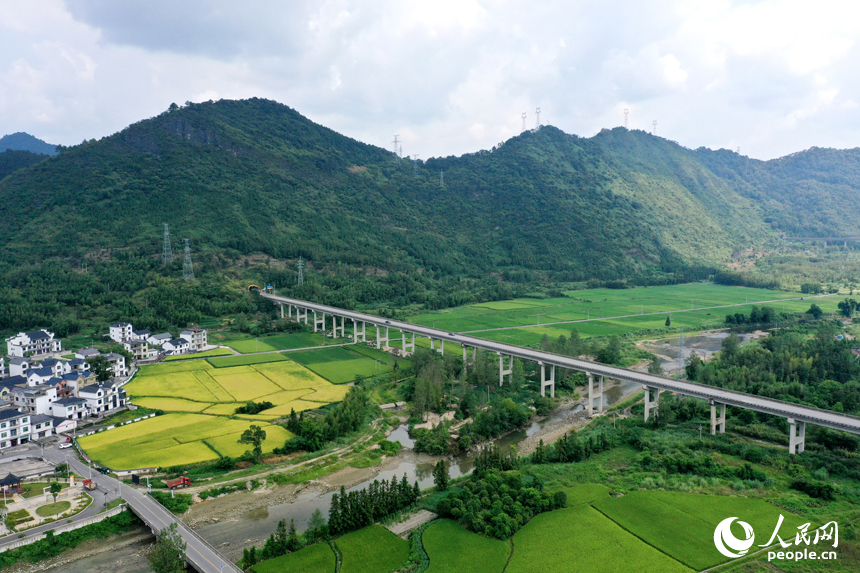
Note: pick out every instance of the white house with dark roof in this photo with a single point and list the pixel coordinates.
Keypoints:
(35, 399)
(102, 397)
(33, 343)
(140, 335)
(117, 362)
(59, 367)
(176, 346)
(140, 349)
(19, 366)
(70, 408)
(159, 339)
(85, 353)
(120, 332)
(41, 427)
(78, 365)
(14, 427)
(36, 376)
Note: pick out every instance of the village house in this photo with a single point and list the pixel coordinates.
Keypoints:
(176, 346)
(41, 426)
(140, 335)
(120, 332)
(70, 408)
(140, 350)
(14, 427)
(159, 339)
(197, 338)
(33, 344)
(103, 397)
(19, 366)
(34, 399)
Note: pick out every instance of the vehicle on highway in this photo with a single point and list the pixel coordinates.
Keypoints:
(65, 445)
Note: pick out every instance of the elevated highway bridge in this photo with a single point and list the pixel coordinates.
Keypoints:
(718, 398)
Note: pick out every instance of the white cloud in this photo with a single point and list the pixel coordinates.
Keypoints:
(450, 76)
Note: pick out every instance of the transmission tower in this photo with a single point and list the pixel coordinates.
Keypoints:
(681, 350)
(654, 130)
(167, 252)
(395, 147)
(537, 118)
(415, 165)
(441, 179)
(188, 267)
(524, 121)
(626, 112)
(301, 280)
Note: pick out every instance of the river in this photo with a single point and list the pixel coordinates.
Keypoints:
(232, 534)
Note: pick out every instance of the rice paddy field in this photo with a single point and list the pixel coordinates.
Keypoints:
(614, 311)
(452, 549)
(372, 549)
(206, 354)
(340, 364)
(200, 400)
(277, 342)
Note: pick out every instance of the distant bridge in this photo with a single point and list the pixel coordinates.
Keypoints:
(718, 398)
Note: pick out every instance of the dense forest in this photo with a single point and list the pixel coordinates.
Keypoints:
(255, 185)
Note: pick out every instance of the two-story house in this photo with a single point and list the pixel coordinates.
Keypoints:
(19, 366)
(159, 339)
(176, 346)
(70, 408)
(102, 397)
(140, 335)
(197, 338)
(141, 350)
(14, 427)
(41, 426)
(33, 344)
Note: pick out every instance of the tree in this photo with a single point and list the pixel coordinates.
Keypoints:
(694, 366)
(56, 488)
(168, 554)
(255, 435)
(668, 321)
(655, 368)
(100, 366)
(440, 475)
(317, 527)
(815, 311)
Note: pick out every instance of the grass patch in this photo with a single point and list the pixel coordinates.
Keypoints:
(249, 346)
(452, 549)
(53, 508)
(593, 543)
(372, 549)
(328, 354)
(33, 489)
(317, 558)
(585, 493)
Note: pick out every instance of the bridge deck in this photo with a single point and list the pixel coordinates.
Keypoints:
(808, 414)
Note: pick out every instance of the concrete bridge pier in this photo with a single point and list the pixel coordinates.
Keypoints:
(717, 421)
(590, 408)
(408, 346)
(505, 372)
(300, 315)
(544, 382)
(796, 441)
(342, 328)
(319, 323)
(441, 349)
(380, 340)
(282, 310)
(651, 402)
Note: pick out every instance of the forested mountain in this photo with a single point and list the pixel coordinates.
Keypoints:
(13, 160)
(21, 141)
(254, 176)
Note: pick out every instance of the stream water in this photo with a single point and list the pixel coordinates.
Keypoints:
(669, 350)
(233, 534)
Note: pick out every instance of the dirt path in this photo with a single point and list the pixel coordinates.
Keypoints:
(412, 522)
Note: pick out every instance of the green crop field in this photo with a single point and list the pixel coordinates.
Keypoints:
(592, 544)
(330, 354)
(201, 405)
(208, 353)
(317, 558)
(229, 361)
(452, 549)
(633, 304)
(372, 549)
(277, 342)
(682, 525)
(585, 493)
(340, 365)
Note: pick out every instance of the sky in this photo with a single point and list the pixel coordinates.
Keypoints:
(768, 78)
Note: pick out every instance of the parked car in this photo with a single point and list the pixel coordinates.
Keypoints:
(66, 445)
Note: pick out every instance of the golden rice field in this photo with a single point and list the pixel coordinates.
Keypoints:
(200, 402)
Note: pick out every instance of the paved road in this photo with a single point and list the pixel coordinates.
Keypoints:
(200, 554)
(816, 416)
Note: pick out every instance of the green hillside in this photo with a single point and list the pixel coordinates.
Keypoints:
(254, 177)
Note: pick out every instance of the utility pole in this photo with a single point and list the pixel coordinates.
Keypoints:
(167, 251)
(188, 267)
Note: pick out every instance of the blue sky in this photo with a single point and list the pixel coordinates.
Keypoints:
(449, 77)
